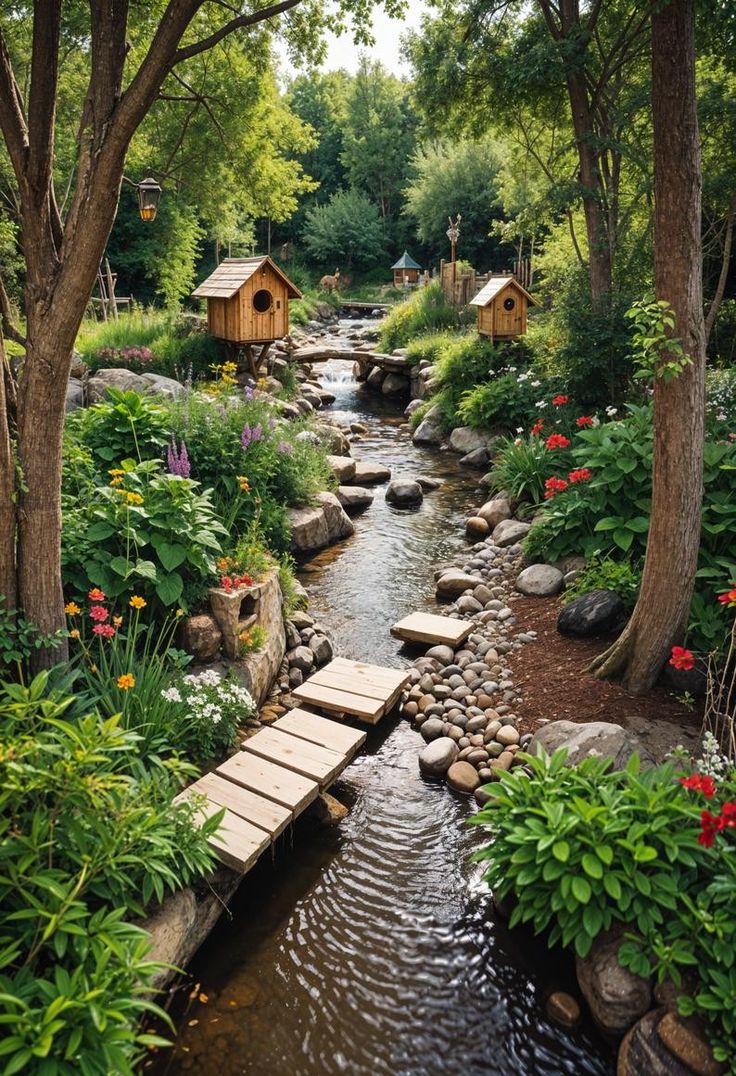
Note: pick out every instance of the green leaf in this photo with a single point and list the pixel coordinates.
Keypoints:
(623, 539)
(120, 566)
(98, 532)
(561, 851)
(581, 889)
(171, 555)
(592, 865)
(146, 569)
(169, 588)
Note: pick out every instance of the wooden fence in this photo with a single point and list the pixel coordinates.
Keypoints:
(460, 284)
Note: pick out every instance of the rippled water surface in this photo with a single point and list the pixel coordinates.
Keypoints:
(372, 948)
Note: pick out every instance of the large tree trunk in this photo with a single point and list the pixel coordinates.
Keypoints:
(8, 591)
(661, 613)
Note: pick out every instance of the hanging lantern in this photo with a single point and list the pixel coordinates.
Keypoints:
(149, 195)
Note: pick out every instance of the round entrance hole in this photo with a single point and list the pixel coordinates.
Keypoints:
(262, 300)
(509, 304)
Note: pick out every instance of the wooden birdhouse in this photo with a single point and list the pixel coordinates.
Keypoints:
(248, 303)
(502, 307)
(406, 271)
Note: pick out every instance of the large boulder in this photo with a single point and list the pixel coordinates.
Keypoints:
(202, 637)
(308, 529)
(164, 386)
(429, 431)
(370, 474)
(539, 580)
(477, 458)
(509, 532)
(495, 511)
(616, 997)
(437, 757)
(343, 467)
(464, 439)
(376, 378)
(74, 394)
(454, 582)
(125, 380)
(395, 385)
(404, 492)
(339, 524)
(602, 738)
(599, 612)
(354, 498)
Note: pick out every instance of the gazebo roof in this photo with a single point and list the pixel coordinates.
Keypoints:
(232, 273)
(406, 262)
(494, 286)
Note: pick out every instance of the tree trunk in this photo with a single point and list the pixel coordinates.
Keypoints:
(8, 590)
(661, 612)
(715, 306)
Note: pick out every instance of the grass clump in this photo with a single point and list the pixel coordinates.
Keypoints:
(426, 310)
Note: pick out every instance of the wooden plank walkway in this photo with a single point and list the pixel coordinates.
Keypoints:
(354, 687)
(322, 731)
(430, 628)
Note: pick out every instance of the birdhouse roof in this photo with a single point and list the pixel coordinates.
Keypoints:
(494, 286)
(406, 262)
(232, 273)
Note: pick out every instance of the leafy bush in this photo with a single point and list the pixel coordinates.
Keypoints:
(138, 328)
(429, 347)
(205, 709)
(582, 847)
(126, 425)
(507, 401)
(189, 356)
(721, 399)
(146, 529)
(620, 576)
(347, 230)
(18, 640)
(85, 844)
(426, 310)
(150, 341)
(520, 467)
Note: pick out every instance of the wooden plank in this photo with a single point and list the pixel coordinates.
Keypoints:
(430, 628)
(238, 843)
(321, 730)
(267, 815)
(390, 678)
(347, 681)
(344, 702)
(274, 782)
(319, 763)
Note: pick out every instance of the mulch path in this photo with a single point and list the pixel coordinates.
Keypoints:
(550, 675)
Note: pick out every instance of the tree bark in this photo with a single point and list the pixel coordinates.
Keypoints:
(8, 592)
(660, 616)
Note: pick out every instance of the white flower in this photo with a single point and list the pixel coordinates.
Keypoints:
(611, 411)
(535, 384)
(519, 429)
(540, 404)
(171, 694)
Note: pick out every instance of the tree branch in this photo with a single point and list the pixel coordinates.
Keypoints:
(42, 95)
(715, 305)
(12, 115)
(6, 318)
(228, 28)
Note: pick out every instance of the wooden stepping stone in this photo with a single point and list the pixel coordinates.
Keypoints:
(354, 687)
(276, 783)
(267, 815)
(322, 731)
(308, 759)
(430, 628)
(238, 843)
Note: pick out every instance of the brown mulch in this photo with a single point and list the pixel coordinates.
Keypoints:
(550, 674)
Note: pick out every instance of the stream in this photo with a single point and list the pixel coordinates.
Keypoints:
(372, 948)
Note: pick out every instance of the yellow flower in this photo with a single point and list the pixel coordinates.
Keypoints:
(117, 481)
(134, 498)
(115, 472)
(243, 483)
(137, 602)
(71, 609)
(93, 668)
(126, 682)
(74, 633)
(229, 367)
(179, 612)
(117, 621)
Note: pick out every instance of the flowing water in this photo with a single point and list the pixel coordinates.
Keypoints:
(372, 948)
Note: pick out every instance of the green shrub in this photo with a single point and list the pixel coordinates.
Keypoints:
(506, 401)
(429, 347)
(86, 845)
(147, 530)
(426, 310)
(183, 357)
(520, 467)
(126, 425)
(582, 847)
(138, 328)
(620, 576)
(149, 341)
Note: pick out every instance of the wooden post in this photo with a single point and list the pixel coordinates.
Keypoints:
(111, 290)
(103, 294)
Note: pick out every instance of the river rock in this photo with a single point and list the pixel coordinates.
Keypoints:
(476, 528)
(437, 757)
(602, 738)
(495, 511)
(321, 647)
(687, 1040)
(468, 604)
(599, 612)
(644, 1051)
(293, 638)
(453, 582)
(429, 431)
(376, 378)
(308, 529)
(202, 637)
(395, 385)
(327, 810)
(343, 467)
(354, 498)
(509, 532)
(404, 491)
(432, 728)
(301, 657)
(301, 619)
(74, 394)
(616, 997)
(477, 458)
(563, 1009)
(540, 581)
(334, 438)
(463, 777)
(412, 407)
(464, 439)
(339, 524)
(122, 379)
(370, 474)
(165, 386)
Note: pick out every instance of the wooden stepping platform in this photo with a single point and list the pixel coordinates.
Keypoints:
(354, 687)
(322, 731)
(309, 759)
(237, 842)
(430, 628)
(275, 782)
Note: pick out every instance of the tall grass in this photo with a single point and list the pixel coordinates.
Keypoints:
(139, 328)
(425, 311)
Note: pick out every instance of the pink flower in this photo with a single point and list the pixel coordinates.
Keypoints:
(105, 630)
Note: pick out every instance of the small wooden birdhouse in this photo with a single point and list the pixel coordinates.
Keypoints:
(406, 271)
(502, 307)
(247, 301)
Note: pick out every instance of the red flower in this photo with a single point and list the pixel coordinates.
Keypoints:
(582, 474)
(99, 612)
(537, 427)
(682, 658)
(557, 440)
(700, 783)
(96, 595)
(728, 598)
(105, 630)
(559, 400)
(554, 485)
(584, 420)
(711, 824)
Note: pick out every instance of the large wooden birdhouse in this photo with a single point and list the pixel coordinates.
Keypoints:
(502, 307)
(248, 302)
(406, 271)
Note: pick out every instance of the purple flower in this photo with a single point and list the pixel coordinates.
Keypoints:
(248, 392)
(178, 460)
(250, 435)
(285, 448)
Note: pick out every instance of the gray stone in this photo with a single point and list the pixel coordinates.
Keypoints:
(354, 498)
(463, 777)
(308, 529)
(540, 581)
(376, 378)
(464, 439)
(468, 604)
(412, 407)
(495, 511)
(164, 386)
(616, 997)
(477, 458)
(321, 647)
(443, 653)
(292, 635)
(202, 637)
(432, 728)
(437, 757)
(343, 467)
(428, 484)
(74, 394)
(601, 738)
(428, 432)
(370, 474)
(452, 583)
(509, 532)
(339, 524)
(395, 385)
(599, 612)
(404, 492)
(125, 380)
(301, 657)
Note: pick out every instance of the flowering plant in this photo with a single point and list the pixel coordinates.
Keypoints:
(205, 711)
